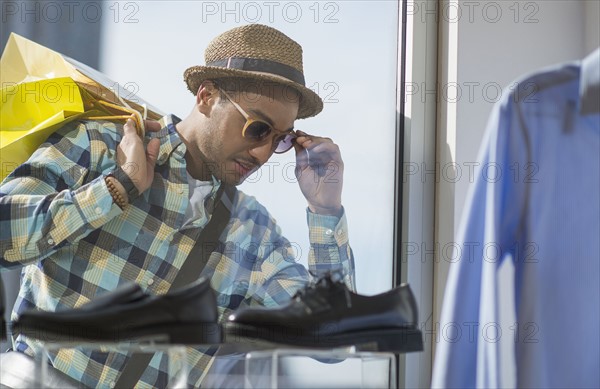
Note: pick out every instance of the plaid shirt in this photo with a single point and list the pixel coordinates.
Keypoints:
(58, 221)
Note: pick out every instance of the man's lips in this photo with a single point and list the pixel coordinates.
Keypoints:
(244, 167)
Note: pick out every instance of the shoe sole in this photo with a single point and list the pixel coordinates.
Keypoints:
(201, 333)
(396, 340)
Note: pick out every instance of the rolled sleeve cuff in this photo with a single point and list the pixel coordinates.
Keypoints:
(326, 229)
(330, 249)
(95, 203)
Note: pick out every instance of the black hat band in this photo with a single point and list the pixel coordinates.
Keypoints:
(261, 65)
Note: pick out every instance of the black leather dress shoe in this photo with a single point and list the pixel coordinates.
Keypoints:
(2, 322)
(184, 316)
(328, 315)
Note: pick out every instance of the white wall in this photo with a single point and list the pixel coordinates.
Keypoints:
(489, 44)
(493, 54)
(591, 8)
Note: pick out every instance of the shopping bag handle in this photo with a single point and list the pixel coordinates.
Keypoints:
(139, 119)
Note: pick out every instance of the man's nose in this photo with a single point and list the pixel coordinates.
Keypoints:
(262, 151)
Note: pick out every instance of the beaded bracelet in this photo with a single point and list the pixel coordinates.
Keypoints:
(125, 180)
(114, 192)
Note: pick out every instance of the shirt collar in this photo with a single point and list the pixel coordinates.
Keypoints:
(170, 141)
(589, 84)
(169, 138)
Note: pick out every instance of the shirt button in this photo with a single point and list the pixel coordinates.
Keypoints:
(112, 384)
(50, 241)
(329, 232)
(150, 282)
(98, 211)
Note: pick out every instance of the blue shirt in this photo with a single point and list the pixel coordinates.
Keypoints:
(536, 203)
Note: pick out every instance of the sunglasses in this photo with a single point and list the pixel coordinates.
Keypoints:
(258, 130)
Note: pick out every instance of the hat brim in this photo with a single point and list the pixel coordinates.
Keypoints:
(310, 102)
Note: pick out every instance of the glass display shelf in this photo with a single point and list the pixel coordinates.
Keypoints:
(240, 367)
(310, 368)
(177, 370)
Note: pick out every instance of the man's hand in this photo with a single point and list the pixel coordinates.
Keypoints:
(138, 163)
(319, 170)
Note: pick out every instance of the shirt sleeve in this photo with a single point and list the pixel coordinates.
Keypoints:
(465, 355)
(54, 199)
(276, 273)
(329, 246)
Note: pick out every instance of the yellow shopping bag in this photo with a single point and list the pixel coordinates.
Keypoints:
(42, 90)
(27, 118)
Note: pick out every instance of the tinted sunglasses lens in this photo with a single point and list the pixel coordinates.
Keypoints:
(257, 130)
(285, 144)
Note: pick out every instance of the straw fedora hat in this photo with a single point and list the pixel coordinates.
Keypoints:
(256, 52)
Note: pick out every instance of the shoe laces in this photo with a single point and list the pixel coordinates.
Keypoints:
(327, 282)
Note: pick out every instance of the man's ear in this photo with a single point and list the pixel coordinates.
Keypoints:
(206, 97)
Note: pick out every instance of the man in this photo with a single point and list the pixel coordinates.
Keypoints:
(542, 212)
(96, 206)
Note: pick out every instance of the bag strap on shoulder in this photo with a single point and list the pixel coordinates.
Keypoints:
(190, 271)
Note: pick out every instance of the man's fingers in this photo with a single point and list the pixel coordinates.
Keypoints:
(325, 149)
(303, 139)
(149, 125)
(152, 151)
(129, 127)
(151, 155)
(152, 125)
(310, 141)
(322, 152)
(317, 152)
